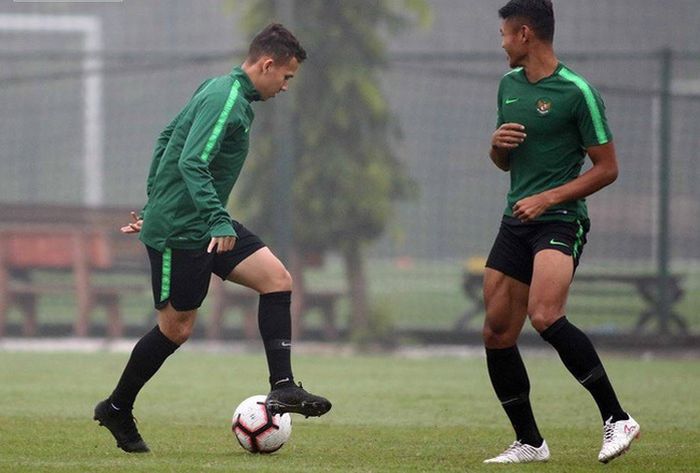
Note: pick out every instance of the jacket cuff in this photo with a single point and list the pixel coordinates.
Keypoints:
(222, 230)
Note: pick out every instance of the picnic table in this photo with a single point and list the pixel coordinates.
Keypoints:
(645, 285)
(70, 245)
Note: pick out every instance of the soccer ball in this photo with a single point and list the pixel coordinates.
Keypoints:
(256, 430)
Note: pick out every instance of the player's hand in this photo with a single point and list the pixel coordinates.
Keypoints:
(508, 136)
(133, 227)
(531, 207)
(222, 244)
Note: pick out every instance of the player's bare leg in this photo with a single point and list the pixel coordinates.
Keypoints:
(548, 292)
(506, 307)
(176, 325)
(505, 300)
(551, 277)
(264, 272)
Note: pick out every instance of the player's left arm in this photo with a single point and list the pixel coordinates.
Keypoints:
(603, 172)
(201, 147)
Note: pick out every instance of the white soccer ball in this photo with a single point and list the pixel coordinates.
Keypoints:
(256, 430)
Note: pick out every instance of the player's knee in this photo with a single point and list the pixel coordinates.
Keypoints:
(186, 332)
(497, 335)
(488, 335)
(281, 280)
(543, 317)
(179, 336)
(178, 332)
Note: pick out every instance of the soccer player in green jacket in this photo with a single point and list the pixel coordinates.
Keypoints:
(189, 234)
(549, 119)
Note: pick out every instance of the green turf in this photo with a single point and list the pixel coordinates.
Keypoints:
(389, 415)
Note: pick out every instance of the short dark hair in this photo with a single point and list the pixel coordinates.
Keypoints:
(277, 42)
(537, 14)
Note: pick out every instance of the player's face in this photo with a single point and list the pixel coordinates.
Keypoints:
(513, 41)
(275, 77)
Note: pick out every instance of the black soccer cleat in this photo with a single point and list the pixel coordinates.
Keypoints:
(296, 399)
(122, 427)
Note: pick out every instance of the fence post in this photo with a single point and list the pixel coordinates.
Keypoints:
(664, 204)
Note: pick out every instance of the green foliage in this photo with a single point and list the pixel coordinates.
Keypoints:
(381, 328)
(347, 176)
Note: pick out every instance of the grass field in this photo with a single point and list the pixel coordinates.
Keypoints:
(390, 414)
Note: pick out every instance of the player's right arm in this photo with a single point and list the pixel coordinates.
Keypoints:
(507, 137)
(134, 226)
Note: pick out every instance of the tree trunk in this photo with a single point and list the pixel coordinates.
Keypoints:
(357, 284)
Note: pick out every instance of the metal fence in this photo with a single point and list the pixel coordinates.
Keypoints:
(86, 88)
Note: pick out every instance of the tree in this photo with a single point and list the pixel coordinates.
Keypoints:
(347, 177)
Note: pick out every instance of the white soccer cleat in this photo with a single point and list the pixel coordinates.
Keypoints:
(522, 453)
(617, 438)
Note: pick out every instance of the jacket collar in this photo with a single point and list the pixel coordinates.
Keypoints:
(247, 88)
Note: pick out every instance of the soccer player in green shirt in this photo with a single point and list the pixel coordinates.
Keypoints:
(549, 119)
(189, 234)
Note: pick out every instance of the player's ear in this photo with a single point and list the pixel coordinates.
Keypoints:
(267, 64)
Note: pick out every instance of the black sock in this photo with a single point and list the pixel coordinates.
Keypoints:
(275, 323)
(148, 355)
(512, 386)
(580, 358)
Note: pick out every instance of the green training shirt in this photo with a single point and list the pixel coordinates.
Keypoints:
(196, 162)
(563, 115)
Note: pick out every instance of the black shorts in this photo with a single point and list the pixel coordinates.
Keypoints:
(182, 277)
(513, 252)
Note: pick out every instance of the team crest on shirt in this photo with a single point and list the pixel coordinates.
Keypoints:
(544, 105)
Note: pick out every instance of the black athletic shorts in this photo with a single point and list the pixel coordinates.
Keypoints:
(181, 277)
(513, 252)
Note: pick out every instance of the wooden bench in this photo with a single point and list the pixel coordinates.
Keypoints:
(645, 286)
(226, 296)
(75, 254)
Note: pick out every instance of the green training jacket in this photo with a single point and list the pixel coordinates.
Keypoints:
(196, 162)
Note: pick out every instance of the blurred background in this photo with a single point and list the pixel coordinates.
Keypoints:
(370, 178)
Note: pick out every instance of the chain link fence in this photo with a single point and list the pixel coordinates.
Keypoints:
(86, 88)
